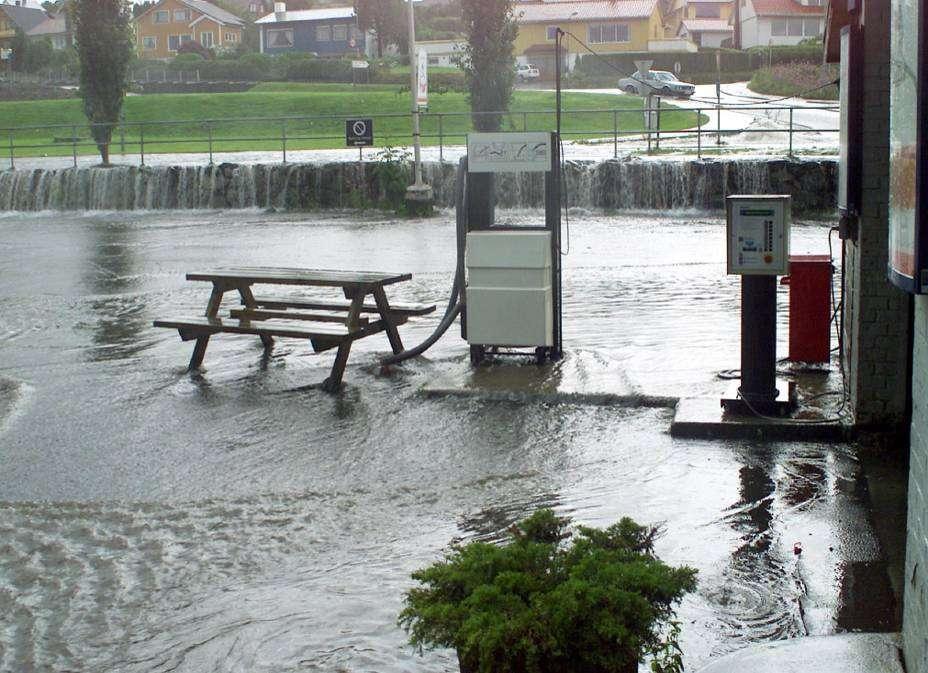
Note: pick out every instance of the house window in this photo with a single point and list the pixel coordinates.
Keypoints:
(149, 42)
(59, 42)
(280, 39)
(811, 27)
(340, 33)
(778, 28)
(708, 11)
(795, 27)
(161, 16)
(323, 33)
(608, 32)
(551, 32)
(174, 41)
(231, 37)
(181, 15)
(253, 8)
(206, 39)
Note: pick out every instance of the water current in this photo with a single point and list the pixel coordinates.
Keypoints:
(232, 520)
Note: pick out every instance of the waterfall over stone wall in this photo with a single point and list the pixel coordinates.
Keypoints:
(631, 184)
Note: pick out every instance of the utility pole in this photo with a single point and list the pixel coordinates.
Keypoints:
(418, 194)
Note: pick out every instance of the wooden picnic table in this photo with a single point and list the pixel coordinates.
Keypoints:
(326, 323)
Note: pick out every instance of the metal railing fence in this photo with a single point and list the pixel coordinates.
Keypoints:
(439, 129)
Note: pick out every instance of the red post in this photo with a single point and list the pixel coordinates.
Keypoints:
(809, 280)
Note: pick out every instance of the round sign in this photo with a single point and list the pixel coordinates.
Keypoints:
(359, 128)
(677, 67)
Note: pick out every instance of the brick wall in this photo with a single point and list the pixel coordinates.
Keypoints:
(876, 318)
(916, 567)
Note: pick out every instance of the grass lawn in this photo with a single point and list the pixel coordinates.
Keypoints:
(252, 120)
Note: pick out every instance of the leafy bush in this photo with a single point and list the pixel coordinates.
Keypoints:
(194, 47)
(392, 174)
(188, 61)
(312, 69)
(538, 605)
(795, 79)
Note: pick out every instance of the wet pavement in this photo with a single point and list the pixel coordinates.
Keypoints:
(231, 520)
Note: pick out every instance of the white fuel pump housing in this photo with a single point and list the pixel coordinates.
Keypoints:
(509, 290)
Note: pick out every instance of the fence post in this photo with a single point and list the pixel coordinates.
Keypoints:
(615, 134)
(74, 143)
(524, 121)
(122, 138)
(12, 164)
(198, 74)
(142, 143)
(441, 140)
(698, 133)
(209, 131)
(283, 139)
(791, 132)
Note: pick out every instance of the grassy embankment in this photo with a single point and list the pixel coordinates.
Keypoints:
(795, 79)
(239, 121)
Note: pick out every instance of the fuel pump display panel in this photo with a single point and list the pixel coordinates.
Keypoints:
(758, 235)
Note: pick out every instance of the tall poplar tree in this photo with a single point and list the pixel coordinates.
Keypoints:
(488, 61)
(104, 46)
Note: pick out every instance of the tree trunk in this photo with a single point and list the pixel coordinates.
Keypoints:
(105, 153)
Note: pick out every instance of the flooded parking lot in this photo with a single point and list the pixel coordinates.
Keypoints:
(232, 520)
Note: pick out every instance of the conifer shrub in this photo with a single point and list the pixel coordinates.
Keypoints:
(552, 601)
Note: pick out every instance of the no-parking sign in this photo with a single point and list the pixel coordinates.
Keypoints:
(359, 132)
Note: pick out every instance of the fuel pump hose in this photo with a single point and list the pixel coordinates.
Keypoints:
(454, 301)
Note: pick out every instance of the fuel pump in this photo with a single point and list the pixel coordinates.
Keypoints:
(512, 293)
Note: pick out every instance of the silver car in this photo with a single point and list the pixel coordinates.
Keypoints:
(659, 82)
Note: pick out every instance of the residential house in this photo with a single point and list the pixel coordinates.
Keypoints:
(706, 23)
(56, 28)
(601, 26)
(163, 28)
(17, 17)
(330, 31)
(443, 53)
(763, 23)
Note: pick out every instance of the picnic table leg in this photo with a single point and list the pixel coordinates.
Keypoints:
(212, 308)
(248, 299)
(334, 382)
(389, 326)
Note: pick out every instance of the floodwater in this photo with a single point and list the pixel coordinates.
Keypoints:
(233, 520)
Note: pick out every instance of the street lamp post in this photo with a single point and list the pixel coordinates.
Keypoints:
(418, 194)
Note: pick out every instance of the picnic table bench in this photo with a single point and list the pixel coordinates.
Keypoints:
(326, 323)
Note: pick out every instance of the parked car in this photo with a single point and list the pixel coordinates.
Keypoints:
(526, 71)
(659, 82)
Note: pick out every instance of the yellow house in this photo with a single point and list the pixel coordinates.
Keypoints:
(604, 26)
(706, 23)
(170, 23)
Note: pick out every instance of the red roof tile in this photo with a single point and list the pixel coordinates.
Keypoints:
(785, 8)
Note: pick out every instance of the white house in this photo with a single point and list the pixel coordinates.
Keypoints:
(780, 22)
(443, 53)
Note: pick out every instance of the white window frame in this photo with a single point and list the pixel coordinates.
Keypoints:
(269, 40)
(817, 31)
(150, 42)
(204, 41)
(779, 27)
(324, 33)
(181, 15)
(231, 37)
(340, 29)
(161, 12)
(614, 28)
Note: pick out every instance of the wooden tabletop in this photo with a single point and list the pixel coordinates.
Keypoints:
(291, 276)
